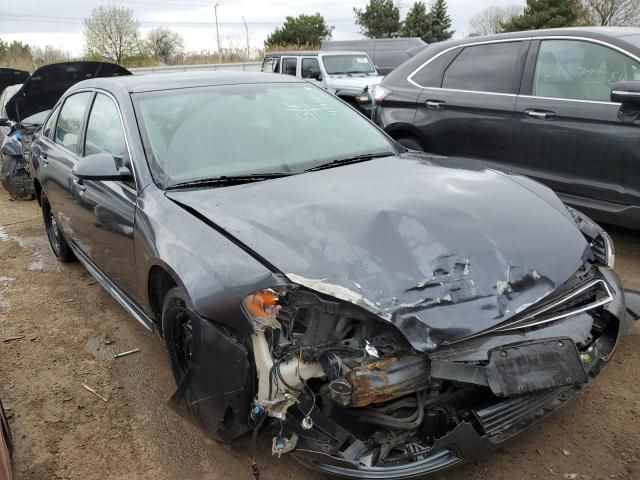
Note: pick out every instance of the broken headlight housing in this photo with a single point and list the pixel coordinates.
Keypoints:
(599, 240)
(261, 308)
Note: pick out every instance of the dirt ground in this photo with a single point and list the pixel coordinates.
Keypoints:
(59, 329)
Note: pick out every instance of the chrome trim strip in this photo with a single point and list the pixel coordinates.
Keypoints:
(558, 99)
(440, 89)
(519, 39)
(522, 322)
(620, 92)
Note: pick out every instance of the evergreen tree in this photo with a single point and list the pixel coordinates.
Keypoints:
(380, 19)
(301, 30)
(417, 23)
(545, 14)
(440, 22)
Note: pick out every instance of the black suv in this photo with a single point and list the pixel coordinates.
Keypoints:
(560, 106)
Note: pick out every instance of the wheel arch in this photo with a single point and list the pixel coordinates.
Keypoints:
(404, 130)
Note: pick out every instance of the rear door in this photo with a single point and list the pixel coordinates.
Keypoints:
(468, 104)
(569, 133)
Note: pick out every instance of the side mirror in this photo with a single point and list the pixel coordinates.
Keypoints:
(318, 76)
(5, 122)
(100, 166)
(626, 93)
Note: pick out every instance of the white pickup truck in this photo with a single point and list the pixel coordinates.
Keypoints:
(349, 75)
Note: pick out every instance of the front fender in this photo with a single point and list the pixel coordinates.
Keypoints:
(215, 272)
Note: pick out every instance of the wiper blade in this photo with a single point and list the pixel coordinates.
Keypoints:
(227, 180)
(349, 160)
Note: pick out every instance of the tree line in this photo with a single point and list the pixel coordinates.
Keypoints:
(112, 32)
(538, 14)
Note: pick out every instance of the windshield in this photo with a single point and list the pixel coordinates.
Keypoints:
(348, 64)
(36, 118)
(232, 130)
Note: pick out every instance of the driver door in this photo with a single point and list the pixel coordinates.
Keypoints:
(105, 210)
(310, 70)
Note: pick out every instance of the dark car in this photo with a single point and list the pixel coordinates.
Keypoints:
(385, 315)
(29, 106)
(536, 103)
(10, 78)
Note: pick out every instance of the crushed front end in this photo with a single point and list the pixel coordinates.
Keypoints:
(14, 172)
(346, 393)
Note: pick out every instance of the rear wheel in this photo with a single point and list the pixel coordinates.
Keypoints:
(411, 143)
(58, 244)
(177, 328)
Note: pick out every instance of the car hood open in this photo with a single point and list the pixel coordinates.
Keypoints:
(11, 76)
(46, 85)
(443, 253)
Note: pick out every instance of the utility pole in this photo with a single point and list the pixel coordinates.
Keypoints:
(215, 8)
(246, 29)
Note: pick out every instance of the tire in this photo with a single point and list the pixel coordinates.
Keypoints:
(411, 143)
(58, 244)
(177, 330)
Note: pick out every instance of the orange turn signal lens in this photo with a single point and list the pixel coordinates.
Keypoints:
(262, 306)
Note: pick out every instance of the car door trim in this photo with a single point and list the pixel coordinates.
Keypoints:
(516, 39)
(113, 289)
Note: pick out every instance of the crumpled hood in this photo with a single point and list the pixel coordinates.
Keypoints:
(353, 83)
(443, 253)
(46, 85)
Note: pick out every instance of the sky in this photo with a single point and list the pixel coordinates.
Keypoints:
(59, 22)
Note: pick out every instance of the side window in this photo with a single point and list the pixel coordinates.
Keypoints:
(579, 70)
(70, 120)
(485, 68)
(431, 74)
(289, 66)
(310, 68)
(104, 130)
(267, 64)
(48, 128)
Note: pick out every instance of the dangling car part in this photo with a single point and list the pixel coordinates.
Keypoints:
(384, 313)
(29, 107)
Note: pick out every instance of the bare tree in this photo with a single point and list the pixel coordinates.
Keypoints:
(164, 43)
(611, 12)
(49, 54)
(111, 33)
(490, 20)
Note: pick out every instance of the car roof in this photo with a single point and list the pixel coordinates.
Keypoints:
(595, 32)
(170, 81)
(315, 53)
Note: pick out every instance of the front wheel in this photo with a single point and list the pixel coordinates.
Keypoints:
(177, 330)
(58, 244)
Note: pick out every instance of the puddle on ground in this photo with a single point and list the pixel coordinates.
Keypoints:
(5, 304)
(42, 258)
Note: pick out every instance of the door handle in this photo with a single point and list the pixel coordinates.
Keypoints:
(435, 104)
(539, 114)
(44, 159)
(78, 184)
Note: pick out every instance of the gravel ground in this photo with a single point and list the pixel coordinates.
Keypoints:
(59, 329)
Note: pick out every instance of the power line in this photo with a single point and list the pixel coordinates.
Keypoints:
(78, 20)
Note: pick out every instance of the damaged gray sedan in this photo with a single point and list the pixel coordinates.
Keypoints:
(384, 313)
